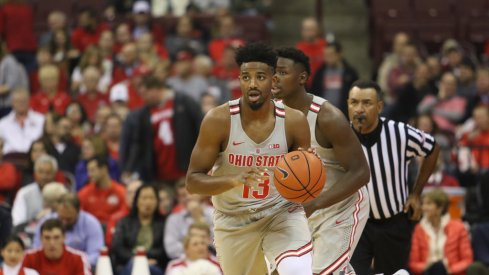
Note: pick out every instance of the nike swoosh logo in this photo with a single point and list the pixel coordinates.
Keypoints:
(338, 222)
(285, 173)
(237, 143)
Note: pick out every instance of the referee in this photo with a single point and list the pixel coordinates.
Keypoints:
(388, 146)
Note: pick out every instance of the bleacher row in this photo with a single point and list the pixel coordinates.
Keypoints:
(250, 27)
(430, 22)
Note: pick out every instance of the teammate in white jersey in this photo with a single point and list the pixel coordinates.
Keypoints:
(238, 141)
(337, 217)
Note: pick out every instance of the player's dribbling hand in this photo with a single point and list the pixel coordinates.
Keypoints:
(252, 177)
(310, 150)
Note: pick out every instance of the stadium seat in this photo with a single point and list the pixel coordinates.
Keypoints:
(42, 8)
(392, 9)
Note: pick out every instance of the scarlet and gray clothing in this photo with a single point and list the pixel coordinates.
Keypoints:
(136, 149)
(72, 261)
(251, 225)
(335, 230)
(240, 155)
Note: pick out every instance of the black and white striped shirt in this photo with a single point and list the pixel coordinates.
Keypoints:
(389, 149)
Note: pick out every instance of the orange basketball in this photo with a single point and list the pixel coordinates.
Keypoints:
(299, 176)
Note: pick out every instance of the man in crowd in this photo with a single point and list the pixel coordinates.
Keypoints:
(81, 230)
(54, 257)
(28, 201)
(103, 196)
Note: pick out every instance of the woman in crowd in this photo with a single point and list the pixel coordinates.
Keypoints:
(439, 246)
(91, 57)
(79, 123)
(38, 148)
(143, 227)
(13, 254)
(197, 259)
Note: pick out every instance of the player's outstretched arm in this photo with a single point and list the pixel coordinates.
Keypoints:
(348, 151)
(297, 129)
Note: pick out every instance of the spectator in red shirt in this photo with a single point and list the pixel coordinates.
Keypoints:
(92, 99)
(54, 257)
(439, 244)
(127, 92)
(447, 107)
(226, 36)
(477, 141)
(88, 31)
(50, 97)
(102, 196)
(10, 179)
(127, 63)
(312, 44)
(17, 28)
(44, 57)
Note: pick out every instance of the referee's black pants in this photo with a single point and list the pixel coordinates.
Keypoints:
(387, 242)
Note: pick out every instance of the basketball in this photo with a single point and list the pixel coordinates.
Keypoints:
(299, 176)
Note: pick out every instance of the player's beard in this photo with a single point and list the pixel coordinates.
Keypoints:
(255, 106)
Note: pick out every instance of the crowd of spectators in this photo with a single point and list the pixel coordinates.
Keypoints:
(99, 112)
(98, 120)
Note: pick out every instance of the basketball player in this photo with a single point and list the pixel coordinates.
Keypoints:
(240, 139)
(337, 216)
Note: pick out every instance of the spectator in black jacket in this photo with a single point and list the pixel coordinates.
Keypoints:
(157, 140)
(142, 227)
(60, 144)
(334, 78)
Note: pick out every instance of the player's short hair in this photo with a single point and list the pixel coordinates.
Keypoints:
(256, 52)
(52, 224)
(368, 84)
(295, 55)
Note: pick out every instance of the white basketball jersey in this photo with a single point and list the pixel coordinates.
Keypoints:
(241, 154)
(333, 168)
